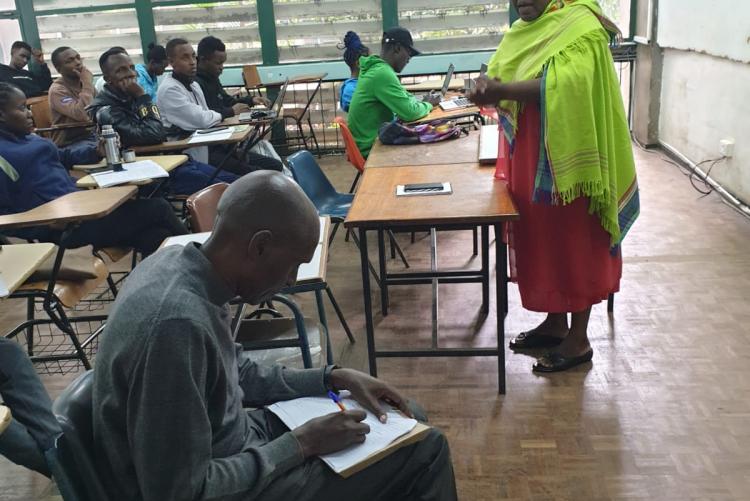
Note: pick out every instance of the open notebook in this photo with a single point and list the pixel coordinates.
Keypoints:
(382, 440)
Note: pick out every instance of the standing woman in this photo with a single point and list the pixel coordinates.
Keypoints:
(570, 164)
(149, 73)
(354, 49)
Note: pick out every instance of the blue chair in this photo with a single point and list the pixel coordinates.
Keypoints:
(324, 196)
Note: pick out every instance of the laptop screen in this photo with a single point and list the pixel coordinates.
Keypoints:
(447, 81)
(280, 98)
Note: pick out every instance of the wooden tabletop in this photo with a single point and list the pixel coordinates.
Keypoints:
(464, 149)
(167, 162)
(240, 133)
(76, 206)
(477, 198)
(437, 113)
(18, 262)
(428, 85)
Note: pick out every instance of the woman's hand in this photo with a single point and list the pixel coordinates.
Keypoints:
(486, 91)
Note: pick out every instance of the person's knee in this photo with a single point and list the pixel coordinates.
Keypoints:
(10, 354)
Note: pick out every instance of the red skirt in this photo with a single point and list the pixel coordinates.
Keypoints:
(559, 255)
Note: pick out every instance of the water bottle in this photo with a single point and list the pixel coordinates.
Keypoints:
(111, 150)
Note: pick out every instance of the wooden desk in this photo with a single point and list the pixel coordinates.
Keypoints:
(477, 200)
(76, 206)
(167, 162)
(437, 113)
(240, 133)
(18, 262)
(464, 149)
(429, 85)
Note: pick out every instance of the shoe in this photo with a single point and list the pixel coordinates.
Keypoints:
(530, 341)
(5, 417)
(557, 363)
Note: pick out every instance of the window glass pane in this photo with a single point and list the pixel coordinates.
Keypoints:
(312, 31)
(10, 31)
(91, 34)
(71, 4)
(619, 12)
(454, 26)
(235, 23)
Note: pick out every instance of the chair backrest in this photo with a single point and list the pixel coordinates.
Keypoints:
(311, 177)
(202, 206)
(251, 76)
(352, 151)
(76, 469)
(40, 112)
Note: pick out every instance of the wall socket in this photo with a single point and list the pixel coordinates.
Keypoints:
(726, 147)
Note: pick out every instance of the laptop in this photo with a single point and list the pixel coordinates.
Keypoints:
(461, 102)
(266, 113)
(488, 144)
(446, 83)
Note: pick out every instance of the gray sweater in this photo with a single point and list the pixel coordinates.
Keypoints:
(170, 385)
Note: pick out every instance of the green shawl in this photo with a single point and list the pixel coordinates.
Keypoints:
(585, 148)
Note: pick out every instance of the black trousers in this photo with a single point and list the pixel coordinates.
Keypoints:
(250, 162)
(142, 223)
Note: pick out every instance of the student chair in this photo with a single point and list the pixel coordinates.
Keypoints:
(42, 117)
(251, 77)
(352, 151)
(77, 473)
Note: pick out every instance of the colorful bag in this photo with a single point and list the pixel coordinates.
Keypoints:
(397, 133)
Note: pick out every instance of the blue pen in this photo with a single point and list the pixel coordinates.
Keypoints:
(337, 400)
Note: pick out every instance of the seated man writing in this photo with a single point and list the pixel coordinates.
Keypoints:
(379, 95)
(33, 172)
(170, 385)
(33, 82)
(69, 96)
(126, 106)
(212, 54)
(184, 106)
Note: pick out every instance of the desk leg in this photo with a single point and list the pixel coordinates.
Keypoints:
(485, 269)
(221, 164)
(383, 273)
(435, 286)
(324, 324)
(369, 329)
(501, 293)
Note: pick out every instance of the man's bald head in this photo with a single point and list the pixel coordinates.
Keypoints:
(265, 227)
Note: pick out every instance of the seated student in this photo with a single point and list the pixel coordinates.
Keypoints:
(33, 428)
(138, 122)
(184, 106)
(380, 95)
(100, 82)
(33, 172)
(171, 386)
(354, 50)
(148, 74)
(211, 58)
(69, 96)
(33, 82)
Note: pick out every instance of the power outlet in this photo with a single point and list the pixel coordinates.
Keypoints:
(726, 147)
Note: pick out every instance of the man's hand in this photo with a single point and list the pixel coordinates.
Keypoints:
(486, 91)
(38, 55)
(240, 108)
(85, 75)
(130, 86)
(369, 391)
(261, 101)
(331, 433)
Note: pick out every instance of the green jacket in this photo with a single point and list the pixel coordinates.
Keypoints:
(379, 96)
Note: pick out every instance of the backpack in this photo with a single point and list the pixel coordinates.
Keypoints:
(396, 132)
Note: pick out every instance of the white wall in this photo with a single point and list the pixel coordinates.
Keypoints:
(705, 84)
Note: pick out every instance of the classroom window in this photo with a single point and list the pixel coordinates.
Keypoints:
(235, 23)
(40, 5)
(313, 30)
(91, 33)
(440, 26)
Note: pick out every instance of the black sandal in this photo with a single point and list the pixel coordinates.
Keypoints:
(530, 341)
(558, 363)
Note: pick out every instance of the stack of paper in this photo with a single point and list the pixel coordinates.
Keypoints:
(295, 413)
(131, 172)
(219, 135)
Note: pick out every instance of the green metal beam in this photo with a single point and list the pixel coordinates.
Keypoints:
(267, 28)
(29, 28)
(145, 25)
(390, 13)
(512, 14)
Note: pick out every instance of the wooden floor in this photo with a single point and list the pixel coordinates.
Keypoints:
(663, 413)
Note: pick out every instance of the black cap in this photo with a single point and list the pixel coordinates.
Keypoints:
(402, 37)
